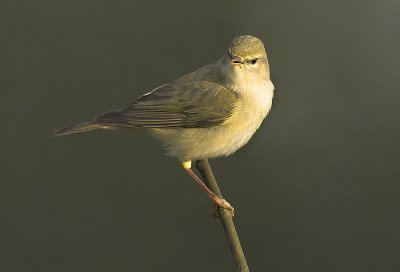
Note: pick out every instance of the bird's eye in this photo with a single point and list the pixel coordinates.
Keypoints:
(254, 61)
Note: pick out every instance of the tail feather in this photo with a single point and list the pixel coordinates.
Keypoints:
(81, 127)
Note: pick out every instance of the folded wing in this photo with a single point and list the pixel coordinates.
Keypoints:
(202, 104)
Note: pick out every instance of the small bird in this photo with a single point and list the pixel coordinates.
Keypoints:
(211, 112)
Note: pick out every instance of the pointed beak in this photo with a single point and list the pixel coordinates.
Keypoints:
(236, 60)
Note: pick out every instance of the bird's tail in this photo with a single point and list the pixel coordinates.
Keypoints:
(81, 127)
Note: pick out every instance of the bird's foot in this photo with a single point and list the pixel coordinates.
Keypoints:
(222, 203)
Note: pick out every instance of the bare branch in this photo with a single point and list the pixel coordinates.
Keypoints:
(226, 218)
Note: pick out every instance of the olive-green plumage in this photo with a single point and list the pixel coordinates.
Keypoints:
(210, 112)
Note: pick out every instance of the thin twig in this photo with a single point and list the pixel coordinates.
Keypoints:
(226, 218)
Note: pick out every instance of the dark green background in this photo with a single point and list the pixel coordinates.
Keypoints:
(317, 188)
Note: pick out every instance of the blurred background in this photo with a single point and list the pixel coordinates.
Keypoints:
(317, 188)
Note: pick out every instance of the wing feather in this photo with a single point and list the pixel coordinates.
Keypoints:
(202, 104)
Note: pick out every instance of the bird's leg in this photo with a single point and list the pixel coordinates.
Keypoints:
(220, 202)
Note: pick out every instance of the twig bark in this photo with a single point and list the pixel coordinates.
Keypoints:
(227, 222)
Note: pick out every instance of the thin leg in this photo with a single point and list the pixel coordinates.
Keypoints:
(217, 201)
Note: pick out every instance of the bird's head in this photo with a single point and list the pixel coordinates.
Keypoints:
(247, 53)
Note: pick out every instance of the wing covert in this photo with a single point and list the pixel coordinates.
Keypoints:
(202, 104)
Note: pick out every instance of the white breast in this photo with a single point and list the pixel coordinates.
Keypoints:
(255, 105)
(256, 92)
(223, 140)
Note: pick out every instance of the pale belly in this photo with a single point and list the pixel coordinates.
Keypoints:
(222, 140)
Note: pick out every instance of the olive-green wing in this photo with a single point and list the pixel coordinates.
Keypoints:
(202, 104)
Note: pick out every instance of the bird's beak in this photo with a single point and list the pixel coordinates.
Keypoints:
(236, 60)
